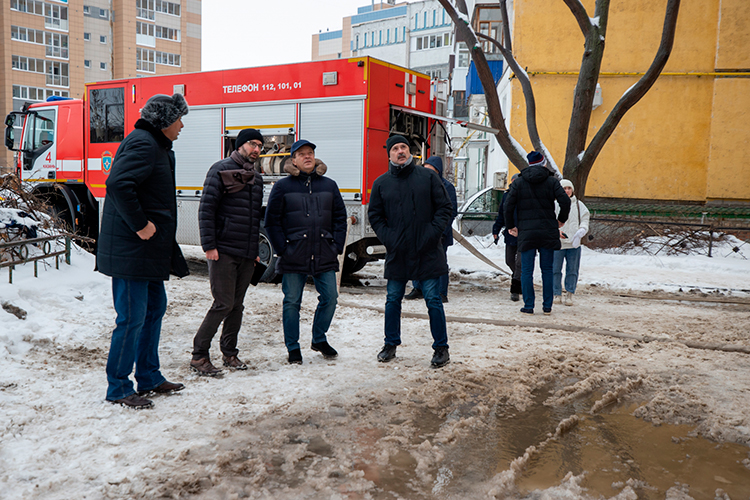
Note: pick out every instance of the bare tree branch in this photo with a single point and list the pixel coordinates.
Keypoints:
(633, 95)
(579, 11)
(466, 34)
(507, 38)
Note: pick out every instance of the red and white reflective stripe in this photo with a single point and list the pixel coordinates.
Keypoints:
(410, 100)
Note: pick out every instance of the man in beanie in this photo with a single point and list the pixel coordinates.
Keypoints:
(409, 210)
(229, 218)
(435, 163)
(571, 233)
(530, 215)
(306, 223)
(137, 248)
(512, 257)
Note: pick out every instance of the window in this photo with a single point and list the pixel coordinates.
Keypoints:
(167, 59)
(104, 13)
(447, 39)
(463, 55)
(87, 37)
(40, 131)
(144, 9)
(424, 23)
(102, 39)
(56, 17)
(86, 10)
(432, 42)
(419, 43)
(380, 38)
(30, 64)
(103, 65)
(27, 35)
(144, 28)
(170, 8)
(57, 74)
(107, 115)
(387, 36)
(144, 60)
(87, 63)
(167, 33)
(29, 6)
(57, 45)
(356, 42)
(434, 16)
(491, 29)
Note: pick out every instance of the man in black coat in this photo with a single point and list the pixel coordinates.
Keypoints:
(435, 164)
(530, 215)
(306, 223)
(512, 257)
(229, 215)
(409, 210)
(137, 248)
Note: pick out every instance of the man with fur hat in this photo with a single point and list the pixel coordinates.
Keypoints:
(229, 218)
(572, 232)
(137, 248)
(530, 215)
(306, 223)
(435, 163)
(409, 210)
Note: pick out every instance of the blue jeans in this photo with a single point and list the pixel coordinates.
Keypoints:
(394, 296)
(140, 306)
(293, 285)
(546, 258)
(572, 258)
(444, 279)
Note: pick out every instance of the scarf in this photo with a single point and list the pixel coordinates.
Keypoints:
(236, 180)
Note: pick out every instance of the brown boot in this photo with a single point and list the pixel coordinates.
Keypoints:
(234, 362)
(204, 367)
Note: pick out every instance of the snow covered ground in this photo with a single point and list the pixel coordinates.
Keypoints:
(354, 428)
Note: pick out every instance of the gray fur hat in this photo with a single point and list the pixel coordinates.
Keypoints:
(161, 111)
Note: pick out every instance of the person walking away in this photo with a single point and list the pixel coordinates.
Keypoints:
(229, 218)
(512, 256)
(409, 210)
(435, 163)
(137, 248)
(530, 215)
(306, 223)
(571, 234)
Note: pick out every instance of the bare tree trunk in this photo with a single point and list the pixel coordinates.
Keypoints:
(466, 34)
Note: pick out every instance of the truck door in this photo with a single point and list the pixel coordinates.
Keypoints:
(39, 151)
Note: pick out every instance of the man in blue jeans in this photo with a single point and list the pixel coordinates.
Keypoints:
(409, 210)
(137, 248)
(530, 215)
(306, 223)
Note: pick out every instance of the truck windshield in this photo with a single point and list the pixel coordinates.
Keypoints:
(107, 115)
(40, 129)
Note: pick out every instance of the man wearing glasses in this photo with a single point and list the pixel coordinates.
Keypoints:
(306, 223)
(229, 217)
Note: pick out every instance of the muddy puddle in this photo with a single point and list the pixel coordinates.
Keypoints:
(608, 452)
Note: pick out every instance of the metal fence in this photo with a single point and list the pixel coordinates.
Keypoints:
(18, 252)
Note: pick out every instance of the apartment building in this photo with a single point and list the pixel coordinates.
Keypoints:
(53, 47)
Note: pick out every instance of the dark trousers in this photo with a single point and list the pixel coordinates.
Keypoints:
(546, 258)
(395, 290)
(229, 277)
(513, 261)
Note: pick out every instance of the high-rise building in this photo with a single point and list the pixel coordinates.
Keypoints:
(54, 47)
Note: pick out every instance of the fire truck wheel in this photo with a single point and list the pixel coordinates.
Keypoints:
(267, 257)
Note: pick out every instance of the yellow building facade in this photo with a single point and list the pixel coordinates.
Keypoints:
(688, 139)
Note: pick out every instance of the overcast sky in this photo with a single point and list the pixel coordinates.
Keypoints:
(244, 33)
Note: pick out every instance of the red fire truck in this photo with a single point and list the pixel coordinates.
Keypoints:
(347, 107)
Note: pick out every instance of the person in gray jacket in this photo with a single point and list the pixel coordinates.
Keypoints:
(229, 215)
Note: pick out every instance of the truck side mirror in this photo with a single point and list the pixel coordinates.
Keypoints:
(9, 138)
(10, 119)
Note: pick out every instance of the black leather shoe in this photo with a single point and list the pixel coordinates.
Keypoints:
(443, 298)
(387, 353)
(441, 357)
(325, 349)
(134, 401)
(295, 357)
(415, 293)
(165, 387)
(514, 297)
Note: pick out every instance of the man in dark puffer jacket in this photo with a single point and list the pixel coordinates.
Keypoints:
(229, 214)
(532, 198)
(409, 210)
(137, 248)
(306, 223)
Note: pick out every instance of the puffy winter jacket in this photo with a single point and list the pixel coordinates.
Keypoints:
(574, 222)
(533, 194)
(436, 162)
(140, 188)
(230, 221)
(409, 210)
(306, 222)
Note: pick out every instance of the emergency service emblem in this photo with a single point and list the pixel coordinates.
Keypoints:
(106, 162)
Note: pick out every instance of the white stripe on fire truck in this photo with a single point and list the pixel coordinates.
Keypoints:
(406, 89)
(69, 165)
(414, 96)
(94, 164)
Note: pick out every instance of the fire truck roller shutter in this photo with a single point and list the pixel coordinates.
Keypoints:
(198, 147)
(336, 128)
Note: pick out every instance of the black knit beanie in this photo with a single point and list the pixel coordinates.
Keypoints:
(248, 134)
(393, 140)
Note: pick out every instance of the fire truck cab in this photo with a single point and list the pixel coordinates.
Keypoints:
(347, 107)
